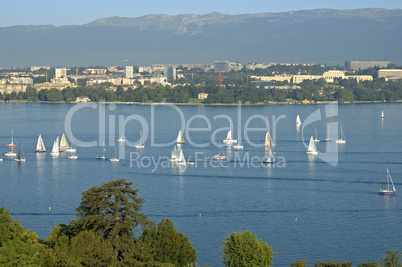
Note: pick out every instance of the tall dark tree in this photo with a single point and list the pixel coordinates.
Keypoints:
(113, 211)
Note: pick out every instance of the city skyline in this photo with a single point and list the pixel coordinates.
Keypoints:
(58, 13)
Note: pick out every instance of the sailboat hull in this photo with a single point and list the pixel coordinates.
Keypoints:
(39, 151)
(386, 192)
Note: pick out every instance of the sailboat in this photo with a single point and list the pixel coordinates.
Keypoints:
(298, 121)
(180, 138)
(11, 153)
(311, 147)
(220, 155)
(103, 157)
(327, 139)
(382, 114)
(316, 139)
(40, 146)
(181, 160)
(63, 143)
(341, 140)
(55, 149)
(73, 156)
(174, 156)
(20, 157)
(12, 140)
(229, 139)
(388, 191)
(115, 159)
(268, 140)
(239, 144)
(141, 143)
(270, 158)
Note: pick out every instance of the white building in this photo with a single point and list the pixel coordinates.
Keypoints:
(129, 72)
(60, 73)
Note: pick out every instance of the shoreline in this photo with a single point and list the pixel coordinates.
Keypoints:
(270, 103)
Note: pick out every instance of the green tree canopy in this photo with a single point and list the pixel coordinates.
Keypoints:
(244, 249)
(112, 211)
(167, 245)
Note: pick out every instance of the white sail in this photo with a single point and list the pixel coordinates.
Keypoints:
(228, 138)
(180, 138)
(311, 147)
(63, 143)
(298, 121)
(390, 180)
(40, 146)
(55, 149)
(268, 140)
(382, 114)
(181, 159)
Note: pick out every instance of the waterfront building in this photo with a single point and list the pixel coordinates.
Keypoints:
(390, 74)
(362, 65)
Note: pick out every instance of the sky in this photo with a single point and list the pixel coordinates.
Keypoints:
(78, 12)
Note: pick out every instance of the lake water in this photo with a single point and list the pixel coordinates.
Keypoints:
(319, 208)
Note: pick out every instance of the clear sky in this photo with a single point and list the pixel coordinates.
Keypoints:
(69, 12)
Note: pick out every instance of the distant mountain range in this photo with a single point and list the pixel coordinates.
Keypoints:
(313, 36)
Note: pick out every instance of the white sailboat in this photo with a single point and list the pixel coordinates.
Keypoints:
(12, 140)
(342, 139)
(268, 140)
(10, 153)
(73, 156)
(239, 144)
(298, 121)
(174, 156)
(382, 114)
(316, 139)
(40, 146)
(388, 191)
(115, 159)
(311, 147)
(270, 158)
(72, 148)
(221, 154)
(141, 143)
(55, 149)
(103, 157)
(229, 139)
(63, 143)
(327, 139)
(180, 139)
(181, 160)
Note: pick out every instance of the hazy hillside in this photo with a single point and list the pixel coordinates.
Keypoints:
(314, 36)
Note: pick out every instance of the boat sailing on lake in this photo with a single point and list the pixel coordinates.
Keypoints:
(342, 139)
(20, 157)
(311, 147)
(141, 143)
(388, 191)
(12, 140)
(55, 149)
(63, 143)
(180, 139)
(40, 146)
